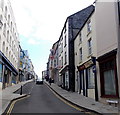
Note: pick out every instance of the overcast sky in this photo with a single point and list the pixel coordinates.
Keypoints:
(39, 24)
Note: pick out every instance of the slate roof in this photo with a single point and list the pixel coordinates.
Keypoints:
(78, 19)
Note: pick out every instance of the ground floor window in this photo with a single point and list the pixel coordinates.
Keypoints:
(108, 76)
(91, 81)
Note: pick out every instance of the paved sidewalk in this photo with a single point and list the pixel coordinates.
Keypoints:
(7, 95)
(82, 101)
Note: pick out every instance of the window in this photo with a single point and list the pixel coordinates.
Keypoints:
(10, 40)
(65, 41)
(8, 35)
(108, 77)
(90, 46)
(80, 54)
(8, 19)
(89, 26)
(3, 47)
(91, 83)
(11, 26)
(54, 62)
(2, 4)
(6, 12)
(62, 61)
(7, 51)
(4, 30)
(80, 37)
(65, 58)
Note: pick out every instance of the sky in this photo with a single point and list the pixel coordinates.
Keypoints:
(39, 24)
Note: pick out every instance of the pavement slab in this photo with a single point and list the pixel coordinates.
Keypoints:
(82, 101)
(7, 95)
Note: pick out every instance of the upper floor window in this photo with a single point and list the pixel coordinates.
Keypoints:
(10, 40)
(81, 54)
(3, 47)
(80, 37)
(8, 35)
(62, 61)
(8, 19)
(6, 12)
(89, 26)
(4, 30)
(65, 41)
(90, 46)
(11, 26)
(65, 58)
(2, 4)
(54, 62)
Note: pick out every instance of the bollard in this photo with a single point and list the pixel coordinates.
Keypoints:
(21, 90)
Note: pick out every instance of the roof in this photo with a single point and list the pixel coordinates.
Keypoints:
(78, 19)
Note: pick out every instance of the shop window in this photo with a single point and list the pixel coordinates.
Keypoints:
(91, 83)
(108, 78)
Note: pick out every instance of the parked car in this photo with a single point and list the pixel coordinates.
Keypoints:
(39, 81)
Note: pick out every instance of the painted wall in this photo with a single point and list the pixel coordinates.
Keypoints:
(84, 46)
(106, 17)
(9, 37)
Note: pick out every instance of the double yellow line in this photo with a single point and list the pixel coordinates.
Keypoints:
(13, 103)
(71, 105)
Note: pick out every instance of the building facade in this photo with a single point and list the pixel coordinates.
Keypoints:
(107, 34)
(9, 46)
(66, 45)
(85, 53)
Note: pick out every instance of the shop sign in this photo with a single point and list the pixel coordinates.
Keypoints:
(81, 67)
(88, 64)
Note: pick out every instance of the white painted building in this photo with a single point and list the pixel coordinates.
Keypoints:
(9, 44)
(64, 56)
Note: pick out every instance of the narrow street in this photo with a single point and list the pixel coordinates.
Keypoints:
(42, 100)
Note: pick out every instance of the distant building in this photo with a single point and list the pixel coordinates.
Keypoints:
(66, 46)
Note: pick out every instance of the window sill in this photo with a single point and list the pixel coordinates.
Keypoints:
(80, 62)
(89, 33)
(79, 43)
(109, 96)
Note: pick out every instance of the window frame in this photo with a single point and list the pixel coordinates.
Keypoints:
(89, 28)
(89, 46)
(102, 77)
(81, 55)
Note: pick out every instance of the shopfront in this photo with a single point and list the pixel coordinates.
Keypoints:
(8, 72)
(108, 75)
(87, 78)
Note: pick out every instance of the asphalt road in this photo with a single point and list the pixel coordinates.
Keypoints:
(42, 100)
